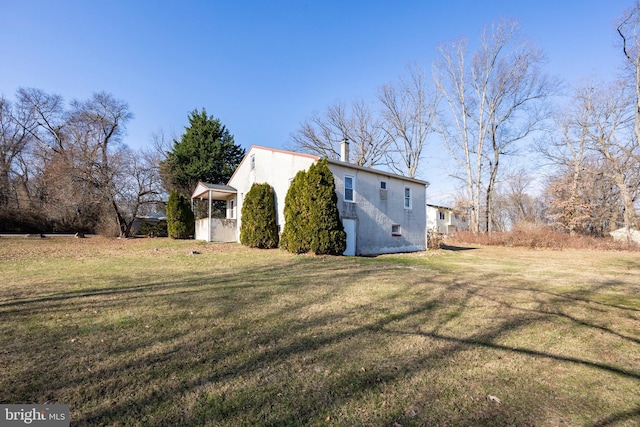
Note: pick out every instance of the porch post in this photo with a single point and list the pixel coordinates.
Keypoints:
(209, 227)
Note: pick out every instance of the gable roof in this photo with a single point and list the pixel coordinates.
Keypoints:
(217, 190)
(335, 162)
(439, 207)
(274, 150)
(377, 172)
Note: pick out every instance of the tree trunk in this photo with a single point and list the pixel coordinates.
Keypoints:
(493, 169)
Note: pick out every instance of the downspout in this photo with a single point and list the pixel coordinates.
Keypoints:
(209, 227)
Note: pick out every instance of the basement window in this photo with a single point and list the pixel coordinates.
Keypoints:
(395, 230)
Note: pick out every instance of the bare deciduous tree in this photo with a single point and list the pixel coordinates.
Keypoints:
(96, 127)
(138, 185)
(66, 169)
(42, 115)
(496, 101)
(450, 77)
(593, 208)
(610, 116)
(323, 133)
(627, 29)
(568, 152)
(597, 160)
(13, 140)
(514, 205)
(409, 112)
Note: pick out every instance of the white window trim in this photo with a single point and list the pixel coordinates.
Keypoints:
(404, 198)
(353, 188)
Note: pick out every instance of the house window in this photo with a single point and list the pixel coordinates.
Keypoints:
(383, 190)
(349, 188)
(231, 211)
(441, 214)
(395, 230)
(253, 162)
(407, 197)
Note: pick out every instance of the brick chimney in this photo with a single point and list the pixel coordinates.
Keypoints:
(344, 150)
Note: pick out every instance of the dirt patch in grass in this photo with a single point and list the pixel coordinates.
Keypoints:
(163, 332)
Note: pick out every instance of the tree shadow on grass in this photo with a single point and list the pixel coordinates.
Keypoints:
(618, 418)
(305, 405)
(454, 248)
(557, 303)
(230, 362)
(312, 404)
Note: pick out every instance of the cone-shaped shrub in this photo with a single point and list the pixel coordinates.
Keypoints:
(312, 219)
(259, 228)
(328, 235)
(296, 236)
(180, 219)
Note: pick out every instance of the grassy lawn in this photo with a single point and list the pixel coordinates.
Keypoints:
(144, 332)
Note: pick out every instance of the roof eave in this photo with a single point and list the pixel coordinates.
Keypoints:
(378, 172)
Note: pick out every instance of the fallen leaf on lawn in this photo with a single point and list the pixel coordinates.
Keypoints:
(494, 399)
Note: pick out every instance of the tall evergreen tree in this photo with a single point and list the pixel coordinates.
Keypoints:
(328, 235)
(259, 228)
(205, 152)
(312, 219)
(180, 220)
(296, 234)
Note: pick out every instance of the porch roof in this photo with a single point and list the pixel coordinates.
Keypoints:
(217, 191)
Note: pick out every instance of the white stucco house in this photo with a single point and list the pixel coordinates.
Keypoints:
(445, 220)
(381, 212)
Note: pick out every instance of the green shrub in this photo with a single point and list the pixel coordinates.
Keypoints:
(259, 228)
(312, 219)
(328, 235)
(296, 216)
(180, 220)
(153, 230)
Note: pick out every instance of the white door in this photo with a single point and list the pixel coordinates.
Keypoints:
(350, 229)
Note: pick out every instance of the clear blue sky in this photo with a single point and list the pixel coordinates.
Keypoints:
(262, 67)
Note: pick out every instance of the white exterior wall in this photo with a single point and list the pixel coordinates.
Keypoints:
(275, 167)
(376, 212)
(222, 230)
(452, 222)
(434, 223)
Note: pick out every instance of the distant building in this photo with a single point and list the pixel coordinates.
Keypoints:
(445, 220)
(152, 220)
